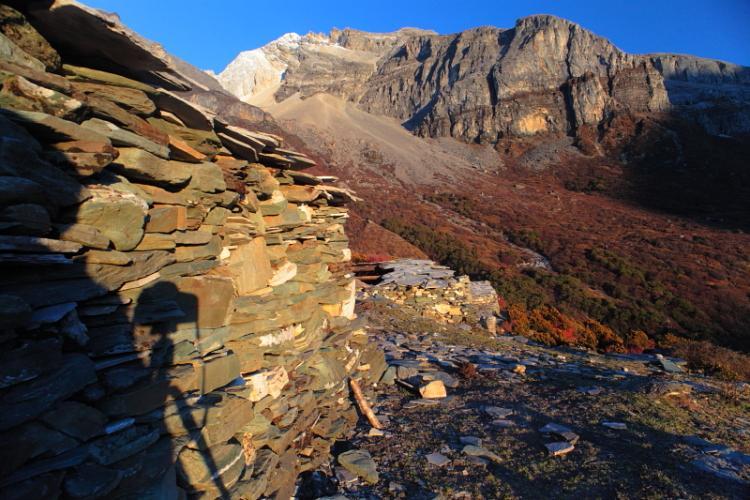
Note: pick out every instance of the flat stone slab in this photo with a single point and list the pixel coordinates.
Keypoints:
(472, 440)
(559, 448)
(620, 426)
(478, 451)
(497, 412)
(360, 463)
(437, 459)
(561, 431)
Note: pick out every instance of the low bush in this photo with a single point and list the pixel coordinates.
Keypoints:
(709, 358)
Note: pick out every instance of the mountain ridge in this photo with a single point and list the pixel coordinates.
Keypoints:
(583, 81)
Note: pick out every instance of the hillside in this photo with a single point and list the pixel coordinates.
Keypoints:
(625, 174)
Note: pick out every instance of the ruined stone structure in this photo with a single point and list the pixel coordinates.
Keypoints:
(434, 292)
(175, 300)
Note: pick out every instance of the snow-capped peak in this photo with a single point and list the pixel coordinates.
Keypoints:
(254, 71)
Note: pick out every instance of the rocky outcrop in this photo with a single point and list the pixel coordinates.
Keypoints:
(177, 308)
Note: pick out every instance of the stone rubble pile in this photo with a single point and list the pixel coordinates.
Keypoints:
(176, 302)
(435, 292)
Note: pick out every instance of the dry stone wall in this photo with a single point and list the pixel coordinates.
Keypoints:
(176, 305)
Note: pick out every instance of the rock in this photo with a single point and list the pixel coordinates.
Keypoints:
(29, 400)
(560, 430)
(182, 151)
(121, 137)
(283, 273)
(433, 390)
(133, 99)
(478, 451)
(207, 177)
(239, 148)
(22, 94)
(620, 426)
(192, 115)
(213, 470)
(344, 477)
(206, 299)
(360, 463)
(559, 448)
(26, 218)
(117, 216)
(20, 156)
(719, 468)
(668, 365)
(32, 244)
(497, 412)
(32, 358)
(16, 28)
(19, 190)
(90, 34)
(91, 481)
(192, 237)
(437, 459)
(198, 252)
(52, 128)
(251, 267)
(266, 383)
(152, 241)
(83, 234)
(79, 73)
(166, 219)
(76, 419)
(13, 53)
(140, 165)
(221, 370)
(216, 418)
(474, 441)
(446, 379)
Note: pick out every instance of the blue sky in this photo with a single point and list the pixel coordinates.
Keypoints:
(209, 34)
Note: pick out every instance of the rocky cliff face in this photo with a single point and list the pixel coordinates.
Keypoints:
(712, 93)
(545, 75)
(175, 302)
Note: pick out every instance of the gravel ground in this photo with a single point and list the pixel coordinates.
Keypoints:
(684, 436)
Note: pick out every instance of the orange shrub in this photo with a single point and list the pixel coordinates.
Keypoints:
(637, 341)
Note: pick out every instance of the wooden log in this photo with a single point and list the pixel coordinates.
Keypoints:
(363, 405)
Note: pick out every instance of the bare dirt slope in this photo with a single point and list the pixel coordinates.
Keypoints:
(377, 144)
